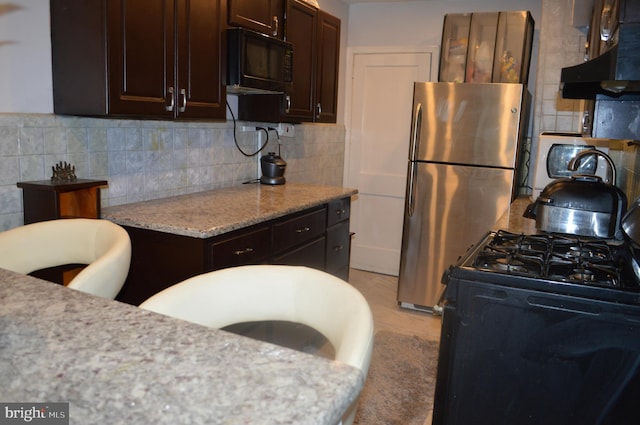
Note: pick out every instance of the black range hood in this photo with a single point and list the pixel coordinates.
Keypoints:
(614, 73)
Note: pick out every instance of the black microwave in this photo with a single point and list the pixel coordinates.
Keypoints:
(257, 62)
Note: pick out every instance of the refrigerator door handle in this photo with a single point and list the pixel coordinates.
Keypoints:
(413, 146)
(415, 132)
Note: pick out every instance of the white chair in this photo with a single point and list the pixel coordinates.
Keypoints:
(286, 293)
(102, 245)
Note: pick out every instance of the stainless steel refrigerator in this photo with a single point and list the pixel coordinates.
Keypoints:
(463, 155)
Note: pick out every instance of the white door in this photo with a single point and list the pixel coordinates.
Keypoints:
(378, 120)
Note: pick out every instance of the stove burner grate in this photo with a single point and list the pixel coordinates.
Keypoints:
(586, 261)
(579, 250)
(509, 262)
(586, 274)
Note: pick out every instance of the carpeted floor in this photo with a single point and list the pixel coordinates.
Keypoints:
(401, 381)
(400, 384)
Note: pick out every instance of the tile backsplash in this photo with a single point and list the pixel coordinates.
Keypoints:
(145, 160)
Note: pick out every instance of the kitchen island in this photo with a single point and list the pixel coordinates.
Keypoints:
(115, 363)
(212, 213)
(181, 236)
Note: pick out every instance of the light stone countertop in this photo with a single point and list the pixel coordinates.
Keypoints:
(513, 221)
(117, 364)
(211, 213)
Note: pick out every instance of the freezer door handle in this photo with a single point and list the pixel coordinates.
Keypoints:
(415, 132)
(413, 146)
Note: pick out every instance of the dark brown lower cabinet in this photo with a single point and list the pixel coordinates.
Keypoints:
(310, 255)
(338, 247)
(317, 237)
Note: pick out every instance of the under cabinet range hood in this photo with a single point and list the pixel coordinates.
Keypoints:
(614, 41)
(612, 73)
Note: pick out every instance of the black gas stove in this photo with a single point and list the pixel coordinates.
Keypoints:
(558, 263)
(540, 329)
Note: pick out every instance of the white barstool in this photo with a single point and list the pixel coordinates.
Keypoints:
(102, 245)
(277, 293)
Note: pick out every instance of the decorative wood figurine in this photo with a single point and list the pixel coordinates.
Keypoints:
(63, 172)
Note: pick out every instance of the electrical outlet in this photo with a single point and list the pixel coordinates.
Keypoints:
(286, 130)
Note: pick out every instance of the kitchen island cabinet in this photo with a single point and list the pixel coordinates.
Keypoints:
(115, 363)
(338, 247)
(176, 238)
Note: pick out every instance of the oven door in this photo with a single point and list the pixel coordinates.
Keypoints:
(511, 355)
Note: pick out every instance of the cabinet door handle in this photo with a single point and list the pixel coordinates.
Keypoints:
(288, 102)
(303, 230)
(169, 107)
(183, 102)
(338, 248)
(318, 110)
(275, 25)
(243, 251)
(340, 212)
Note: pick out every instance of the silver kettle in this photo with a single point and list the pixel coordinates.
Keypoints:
(581, 205)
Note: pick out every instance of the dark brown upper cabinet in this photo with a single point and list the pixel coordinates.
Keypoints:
(328, 41)
(315, 34)
(139, 58)
(264, 16)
